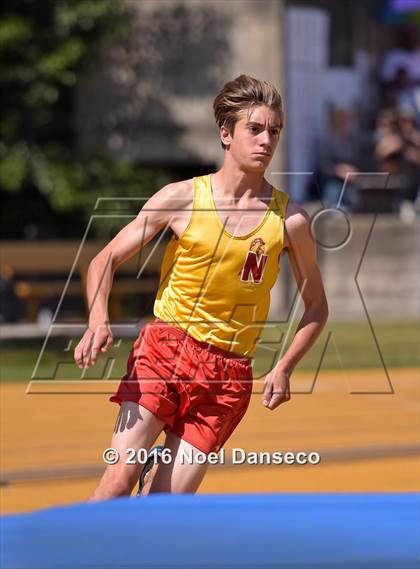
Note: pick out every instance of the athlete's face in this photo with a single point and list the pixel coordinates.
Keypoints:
(255, 138)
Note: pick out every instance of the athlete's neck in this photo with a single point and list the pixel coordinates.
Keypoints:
(235, 184)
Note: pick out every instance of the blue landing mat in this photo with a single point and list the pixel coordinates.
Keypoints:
(354, 531)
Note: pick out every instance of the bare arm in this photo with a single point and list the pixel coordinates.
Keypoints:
(158, 212)
(301, 249)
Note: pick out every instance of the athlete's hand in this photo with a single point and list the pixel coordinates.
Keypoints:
(96, 339)
(276, 388)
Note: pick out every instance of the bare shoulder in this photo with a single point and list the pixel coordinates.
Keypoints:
(296, 215)
(176, 195)
(297, 224)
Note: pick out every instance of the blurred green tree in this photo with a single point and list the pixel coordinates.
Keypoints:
(47, 185)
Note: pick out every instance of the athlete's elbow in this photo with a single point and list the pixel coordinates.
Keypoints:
(102, 262)
(323, 312)
(319, 310)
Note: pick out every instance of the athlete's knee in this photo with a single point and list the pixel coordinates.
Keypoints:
(120, 487)
(120, 482)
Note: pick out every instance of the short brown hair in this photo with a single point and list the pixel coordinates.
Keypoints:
(243, 93)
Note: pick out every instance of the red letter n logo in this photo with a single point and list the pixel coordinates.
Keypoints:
(255, 262)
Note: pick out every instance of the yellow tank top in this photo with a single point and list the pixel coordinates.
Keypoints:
(216, 286)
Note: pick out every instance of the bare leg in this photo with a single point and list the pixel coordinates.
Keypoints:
(176, 477)
(136, 427)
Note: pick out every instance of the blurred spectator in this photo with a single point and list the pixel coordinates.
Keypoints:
(8, 301)
(406, 55)
(338, 162)
(405, 94)
(400, 73)
(397, 150)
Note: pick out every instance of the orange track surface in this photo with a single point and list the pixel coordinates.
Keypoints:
(357, 435)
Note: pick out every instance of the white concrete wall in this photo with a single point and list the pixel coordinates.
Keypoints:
(151, 98)
(376, 273)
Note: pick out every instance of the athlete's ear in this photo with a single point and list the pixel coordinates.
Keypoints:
(225, 136)
(282, 120)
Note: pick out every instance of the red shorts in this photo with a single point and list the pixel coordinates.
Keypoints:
(200, 391)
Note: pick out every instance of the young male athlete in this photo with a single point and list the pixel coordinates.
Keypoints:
(190, 370)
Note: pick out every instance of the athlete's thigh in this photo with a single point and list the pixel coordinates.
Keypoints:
(136, 427)
(179, 476)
